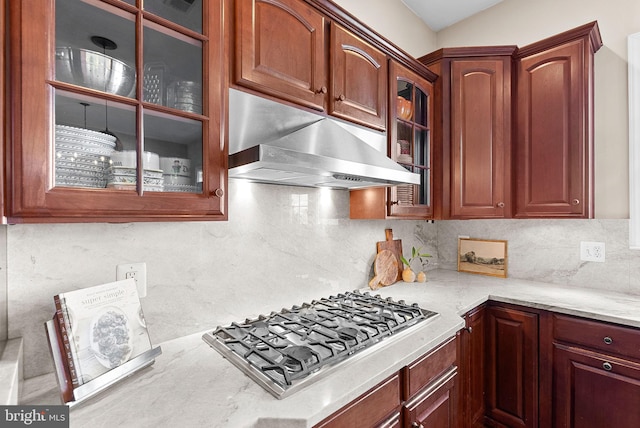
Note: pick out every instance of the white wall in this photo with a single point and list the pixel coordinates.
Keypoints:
(522, 22)
(394, 21)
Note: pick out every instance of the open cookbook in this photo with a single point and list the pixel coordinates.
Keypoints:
(95, 336)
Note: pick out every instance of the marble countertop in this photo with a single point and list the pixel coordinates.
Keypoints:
(191, 385)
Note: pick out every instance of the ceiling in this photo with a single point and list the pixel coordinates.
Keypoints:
(439, 14)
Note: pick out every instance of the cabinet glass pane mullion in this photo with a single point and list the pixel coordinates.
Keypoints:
(423, 164)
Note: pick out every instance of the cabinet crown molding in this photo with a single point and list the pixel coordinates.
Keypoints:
(591, 30)
(468, 51)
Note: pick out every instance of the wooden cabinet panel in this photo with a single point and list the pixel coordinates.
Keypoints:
(280, 50)
(372, 409)
(473, 124)
(594, 390)
(512, 368)
(608, 338)
(472, 368)
(426, 369)
(555, 125)
(480, 138)
(359, 80)
(435, 406)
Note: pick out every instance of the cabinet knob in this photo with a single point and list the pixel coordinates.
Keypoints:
(500, 204)
(608, 340)
(469, 329)
(416, 425)
(341, 97)
(322, 90)
(607, 366)
(575, 202)
(218, 192)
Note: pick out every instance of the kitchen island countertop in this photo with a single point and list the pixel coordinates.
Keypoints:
(192, 385)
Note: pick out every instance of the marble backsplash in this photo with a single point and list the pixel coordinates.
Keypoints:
(281, 246)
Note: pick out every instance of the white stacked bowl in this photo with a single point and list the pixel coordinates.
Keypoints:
(82, 156)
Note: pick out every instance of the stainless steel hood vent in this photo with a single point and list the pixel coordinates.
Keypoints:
(274, 143)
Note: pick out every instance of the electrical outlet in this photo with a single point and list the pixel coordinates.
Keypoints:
(592, 251)
(137, 271)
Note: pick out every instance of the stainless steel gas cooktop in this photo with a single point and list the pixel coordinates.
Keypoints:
(287, 350)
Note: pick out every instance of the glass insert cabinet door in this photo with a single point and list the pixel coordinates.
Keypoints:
(411, 144)
(96, 136)
(128, 117)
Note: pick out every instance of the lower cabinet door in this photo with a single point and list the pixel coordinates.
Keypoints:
(594, 390)
(512, 367)
(435, 406)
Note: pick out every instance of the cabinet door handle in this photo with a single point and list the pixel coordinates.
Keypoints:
(416, 425)
(469, 329)
(607, 366)
(341, 97)
(322, 90)
(608, 340)
(218, 192)
(575, 202)
(500, 204)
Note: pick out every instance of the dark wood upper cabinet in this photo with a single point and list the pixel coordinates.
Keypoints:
(554, 139)
(175, 108)
(411, 145)
(289, 50)
(280, 50)
(358, 80)
(474, 127)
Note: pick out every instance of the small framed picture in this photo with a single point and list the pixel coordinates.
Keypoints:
(482, 256)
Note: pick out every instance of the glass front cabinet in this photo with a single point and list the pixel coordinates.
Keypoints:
(410, 144)
(116, 111)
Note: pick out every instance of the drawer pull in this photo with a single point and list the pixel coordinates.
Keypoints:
(608, 340)
(607, 366)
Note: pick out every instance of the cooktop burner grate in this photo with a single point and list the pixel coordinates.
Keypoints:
(285, 347)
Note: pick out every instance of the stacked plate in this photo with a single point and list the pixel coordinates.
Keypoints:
(125, 178)
(82, 157)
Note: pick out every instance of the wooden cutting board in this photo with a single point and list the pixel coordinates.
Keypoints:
(385, 269)
(395, 246)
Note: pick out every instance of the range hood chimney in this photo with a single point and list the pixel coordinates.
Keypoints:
(274, 143)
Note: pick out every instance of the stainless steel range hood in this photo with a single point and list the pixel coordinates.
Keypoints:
(274, 143)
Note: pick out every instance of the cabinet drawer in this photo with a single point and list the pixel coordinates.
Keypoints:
(609, 338)
(371, 409)
(424, 370)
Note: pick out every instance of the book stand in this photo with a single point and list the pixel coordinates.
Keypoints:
(104, 381)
